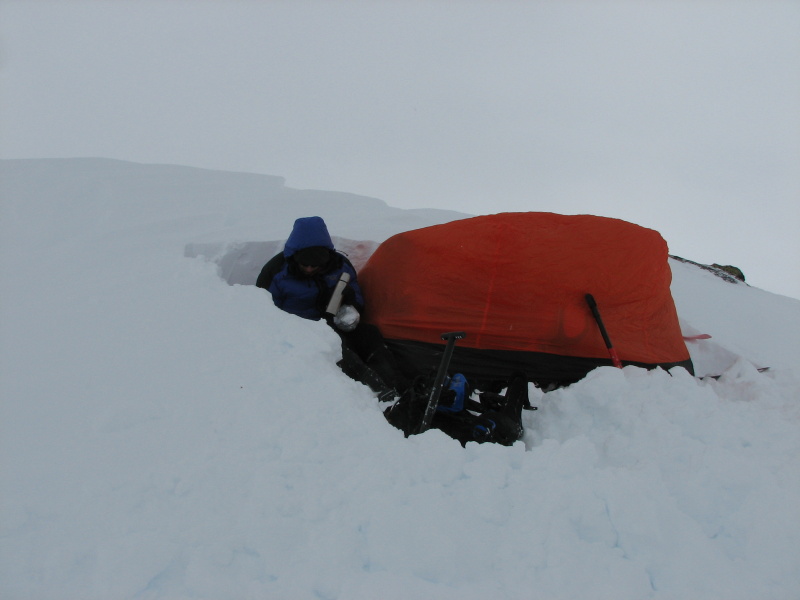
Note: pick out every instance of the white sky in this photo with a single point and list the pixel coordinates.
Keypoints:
(680, 116)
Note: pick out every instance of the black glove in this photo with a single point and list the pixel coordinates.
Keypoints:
(349, 296)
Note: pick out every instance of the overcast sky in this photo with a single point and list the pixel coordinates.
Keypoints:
(680, 116)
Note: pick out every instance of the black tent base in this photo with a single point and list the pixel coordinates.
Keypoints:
(491, 370)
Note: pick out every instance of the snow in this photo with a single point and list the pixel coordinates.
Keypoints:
(166, 435)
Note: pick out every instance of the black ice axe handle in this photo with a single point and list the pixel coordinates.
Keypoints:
(436, 390)
(596, 312)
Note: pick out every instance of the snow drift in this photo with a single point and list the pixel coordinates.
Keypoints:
(165, 435)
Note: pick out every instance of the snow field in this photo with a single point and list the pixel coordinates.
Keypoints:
(164, 435)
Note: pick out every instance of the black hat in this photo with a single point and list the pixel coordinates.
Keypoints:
(316, 256)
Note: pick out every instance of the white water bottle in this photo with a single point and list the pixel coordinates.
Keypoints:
(336, 298)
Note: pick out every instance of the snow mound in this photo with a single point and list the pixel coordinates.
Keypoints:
(164, 435)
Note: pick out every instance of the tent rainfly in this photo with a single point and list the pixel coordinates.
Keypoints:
(516, 283)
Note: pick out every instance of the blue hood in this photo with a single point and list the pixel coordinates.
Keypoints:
(306, 233)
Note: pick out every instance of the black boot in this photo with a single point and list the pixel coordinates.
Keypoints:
(516, 398)
(383, 362)
(355, 368)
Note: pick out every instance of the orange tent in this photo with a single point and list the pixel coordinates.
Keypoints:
(516, 284)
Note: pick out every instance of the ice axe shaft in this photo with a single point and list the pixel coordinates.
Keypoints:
(436, 390)
(596, 312)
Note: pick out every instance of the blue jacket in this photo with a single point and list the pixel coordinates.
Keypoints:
(297, 293)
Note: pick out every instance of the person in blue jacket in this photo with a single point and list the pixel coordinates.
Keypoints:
(301, 280)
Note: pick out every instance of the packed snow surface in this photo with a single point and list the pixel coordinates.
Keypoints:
(166, 435)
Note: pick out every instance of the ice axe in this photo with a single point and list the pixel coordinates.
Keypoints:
(436, 390)
(614, 356)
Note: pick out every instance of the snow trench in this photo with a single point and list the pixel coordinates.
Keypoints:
(239, 263)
